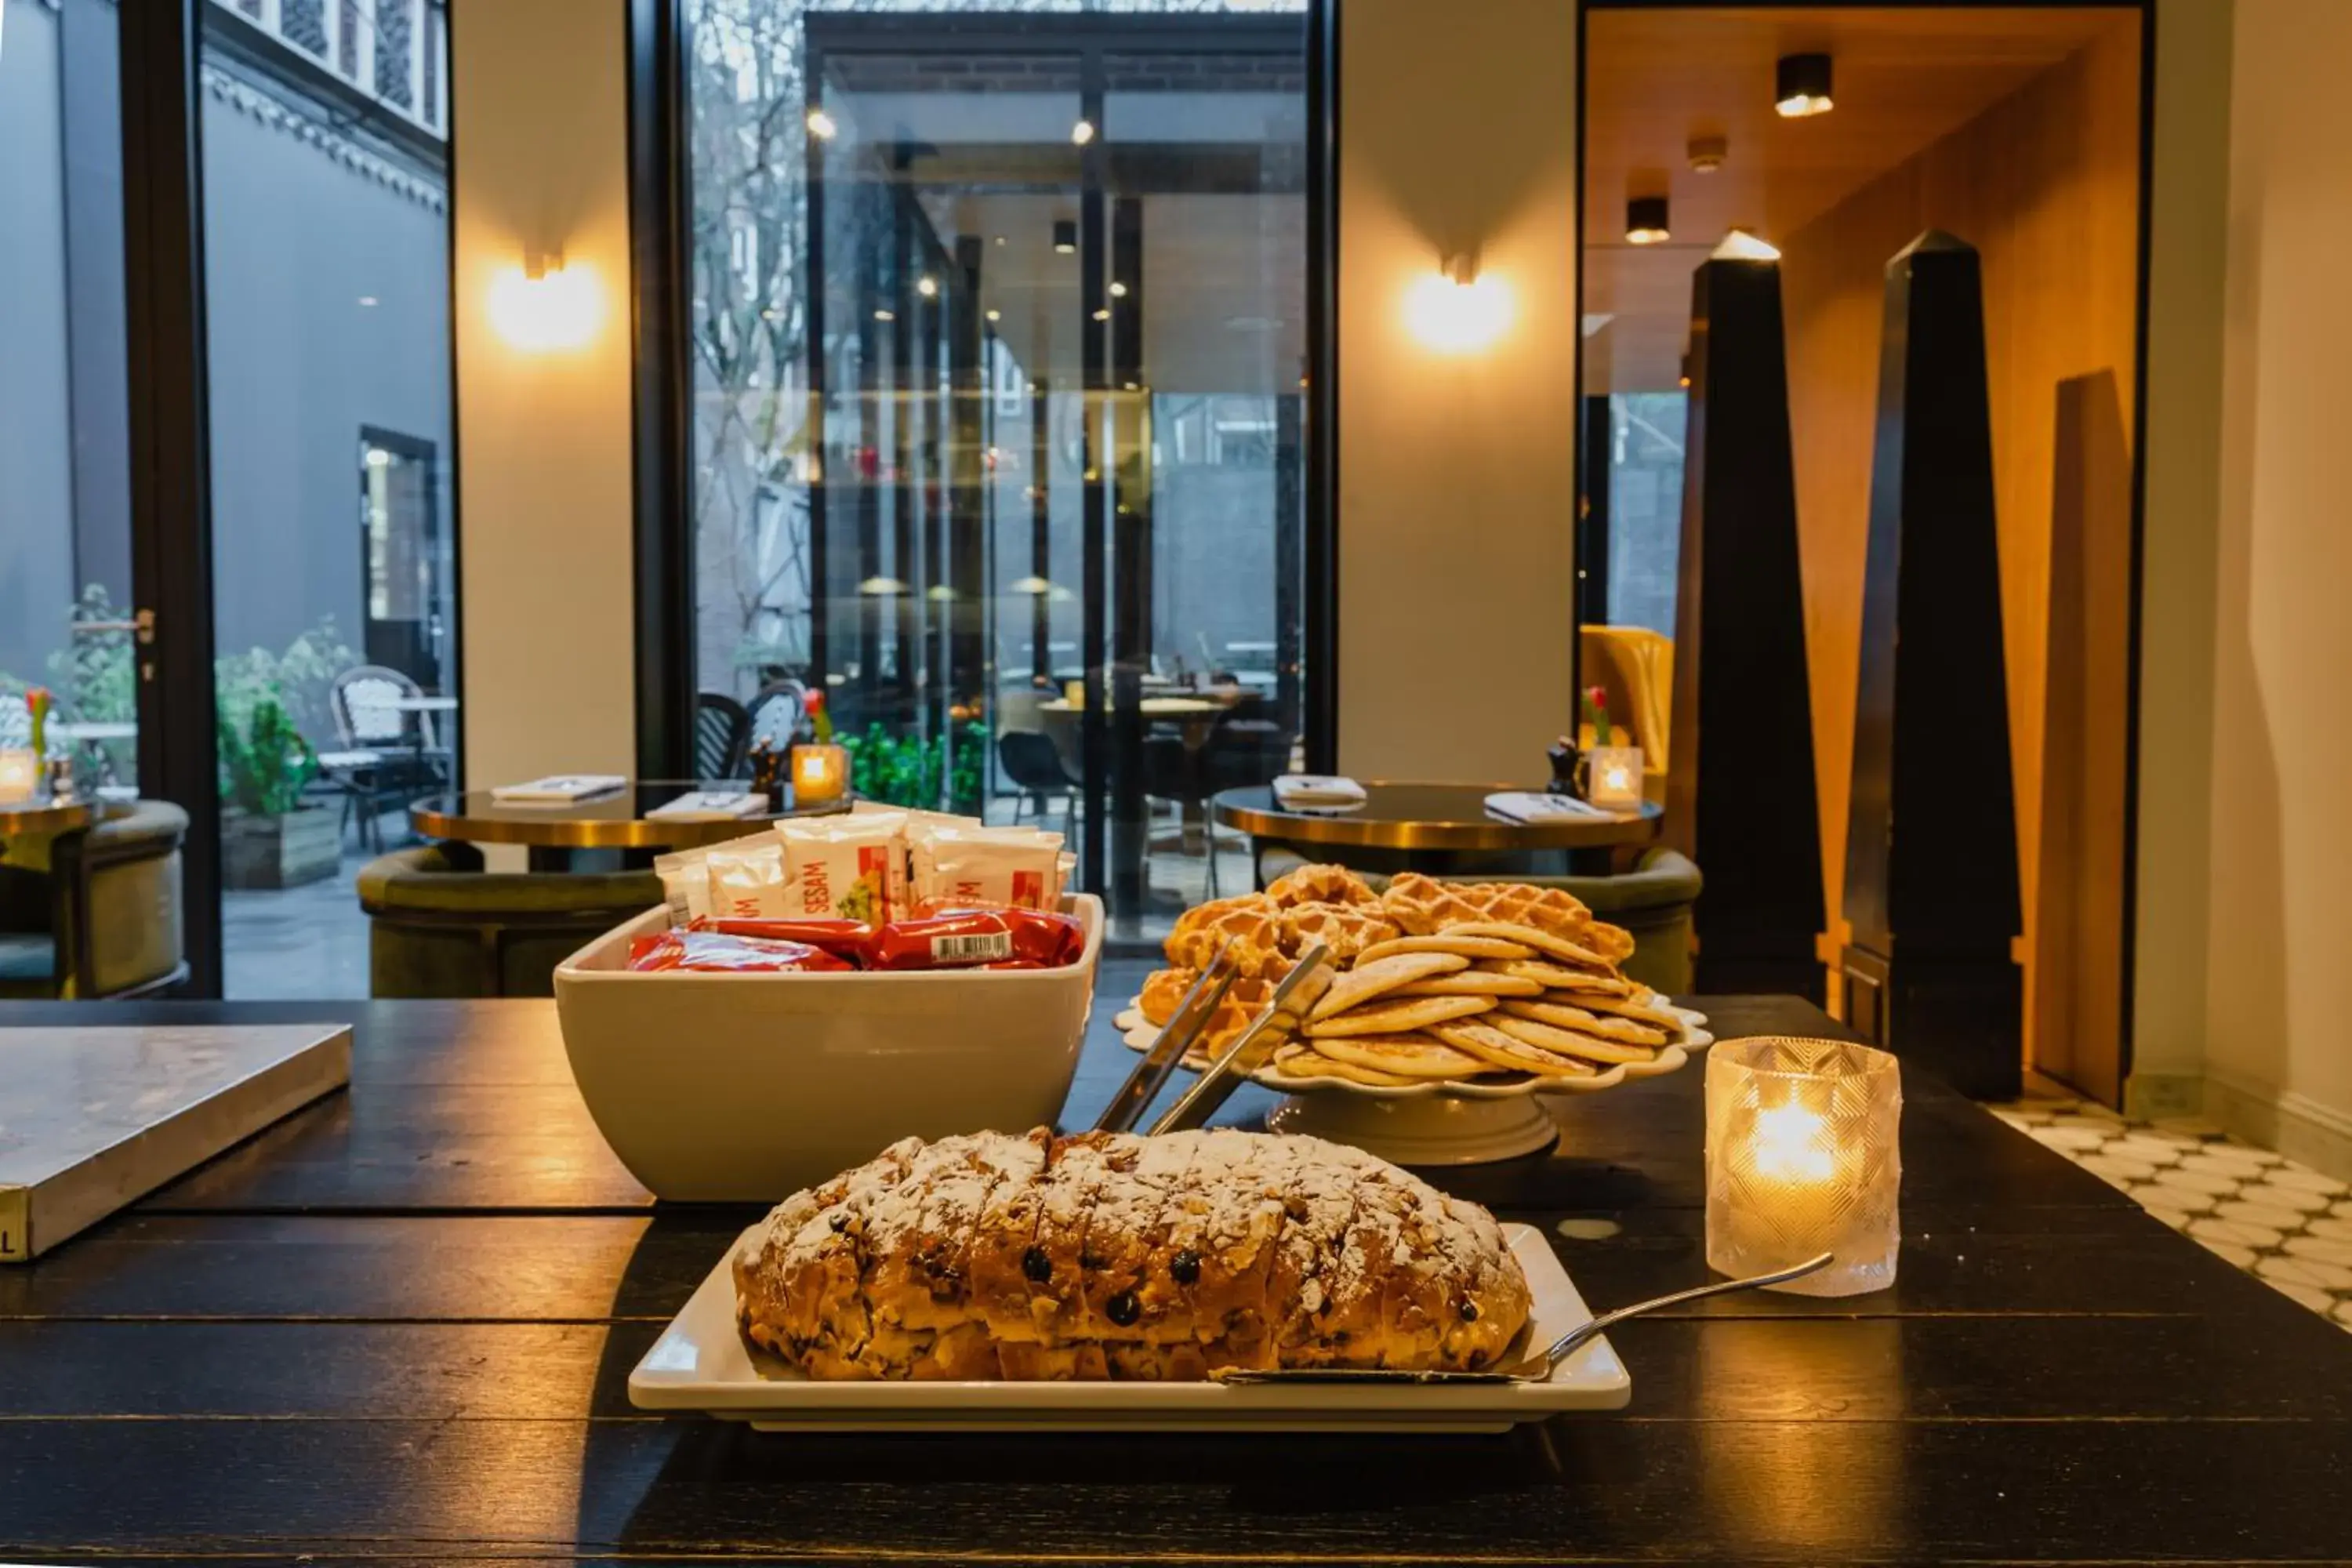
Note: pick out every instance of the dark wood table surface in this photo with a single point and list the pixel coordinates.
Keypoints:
(399, 1326)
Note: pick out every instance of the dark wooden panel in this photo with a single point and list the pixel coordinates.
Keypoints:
(1599, 1490)
(579, 1268)
(1685, 1369)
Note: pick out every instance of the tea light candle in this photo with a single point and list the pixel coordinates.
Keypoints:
(1614, 777)
(1802, 1158)
(20, 773)
(820, 775)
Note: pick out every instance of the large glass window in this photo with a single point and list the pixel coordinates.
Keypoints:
(65, 520)
(326, 217)
(999, 328)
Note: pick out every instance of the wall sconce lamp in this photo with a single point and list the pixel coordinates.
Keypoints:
(1645, 221)
(1456, 310)
(1065, 236)
(820, 125)
(1800, 86)
(544, 306)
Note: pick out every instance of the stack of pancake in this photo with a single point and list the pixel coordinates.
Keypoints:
(1435, 982)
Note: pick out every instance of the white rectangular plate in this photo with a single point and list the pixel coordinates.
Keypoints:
(701, 1363)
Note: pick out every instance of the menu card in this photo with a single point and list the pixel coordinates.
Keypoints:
(92, 1118)
(557, 789)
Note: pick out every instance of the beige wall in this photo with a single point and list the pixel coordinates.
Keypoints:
(543, 439)
(2188, 215)
(2045, 184)
(2279, 983)
(1457, 474)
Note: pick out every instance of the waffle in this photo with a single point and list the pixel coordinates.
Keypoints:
(1346, 930)
(1253, 932)
(1320, 885)
(1421, 905)
(1201, 915)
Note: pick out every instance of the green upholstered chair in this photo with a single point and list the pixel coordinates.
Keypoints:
(439, 925)
(1652, 901)
(104, 919)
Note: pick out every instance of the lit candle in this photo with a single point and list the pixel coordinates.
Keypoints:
(1802, 1158)
(20, 773)
(1614, 777)
(820, 775)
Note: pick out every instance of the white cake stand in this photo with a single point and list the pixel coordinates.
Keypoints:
(1441, 1123)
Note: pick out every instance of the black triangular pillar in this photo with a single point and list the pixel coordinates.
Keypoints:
(1740, 798)
(1931, 836)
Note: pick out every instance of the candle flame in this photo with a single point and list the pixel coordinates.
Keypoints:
(1790, 1144)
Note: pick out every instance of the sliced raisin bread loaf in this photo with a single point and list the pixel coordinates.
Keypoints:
(1103, 1255)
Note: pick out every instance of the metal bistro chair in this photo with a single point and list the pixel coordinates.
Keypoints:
(775, 711)
(722, 731)
(375, 762)
(1034, 764)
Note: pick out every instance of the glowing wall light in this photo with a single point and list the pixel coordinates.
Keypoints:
(545, 307)
(1457, 309)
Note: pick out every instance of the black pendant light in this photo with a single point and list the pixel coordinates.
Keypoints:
(1645, 221)
(1800, 86)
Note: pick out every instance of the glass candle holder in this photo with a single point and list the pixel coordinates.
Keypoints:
(1614, 777)
(820, 775)
(20, 773)
(1802, 1159)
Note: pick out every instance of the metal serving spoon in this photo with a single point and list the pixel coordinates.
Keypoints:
(1535, 1368)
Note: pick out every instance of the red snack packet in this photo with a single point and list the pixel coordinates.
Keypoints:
(955, 939)
(716, 951)
(842, 938)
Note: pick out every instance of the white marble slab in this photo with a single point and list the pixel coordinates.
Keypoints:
(93, 1117)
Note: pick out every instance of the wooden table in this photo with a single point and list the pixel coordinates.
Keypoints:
(1429, 824)
(615, 821)
(400, 1325)
(46, 814)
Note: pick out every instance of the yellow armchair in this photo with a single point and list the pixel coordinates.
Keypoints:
(1634, 667)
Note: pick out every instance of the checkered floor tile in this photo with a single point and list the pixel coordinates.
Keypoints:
(2288, 1227)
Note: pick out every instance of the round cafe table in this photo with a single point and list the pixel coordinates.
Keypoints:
(1429, 823)
(613, 821)
(46, 816)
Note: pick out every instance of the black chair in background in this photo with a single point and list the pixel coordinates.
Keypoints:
(1031, 760)
(722, 729)
(1240, 754)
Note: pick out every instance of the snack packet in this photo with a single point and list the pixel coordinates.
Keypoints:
(854, 865)
(957, 938)
(718, 951)
(686, 884)
(971, 866)
(747, 879)
(843, 939)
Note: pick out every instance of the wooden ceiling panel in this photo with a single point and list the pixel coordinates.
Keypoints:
(1657, 76)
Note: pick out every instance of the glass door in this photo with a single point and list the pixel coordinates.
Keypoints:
(1000, 337)
(326, 287)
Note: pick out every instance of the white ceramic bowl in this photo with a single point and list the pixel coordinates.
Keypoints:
(748, 1087)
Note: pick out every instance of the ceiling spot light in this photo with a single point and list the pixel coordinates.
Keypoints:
(1000, 240)
(1065, 236)
(1645, 221)
(1708, 153)
(996, 315)
(1119, 290)
(1102, 315)
(881, 587)
(1029, 585)
(1082, 132)
(820, 125)
(367, 301)
(927, 287)
(1800, 86)
(885, 315)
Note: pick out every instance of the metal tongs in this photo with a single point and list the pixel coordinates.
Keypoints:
(1183, 1027)
(1291, 998)
(1536, 1368)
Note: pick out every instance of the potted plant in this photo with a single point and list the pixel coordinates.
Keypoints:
(268, 837)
